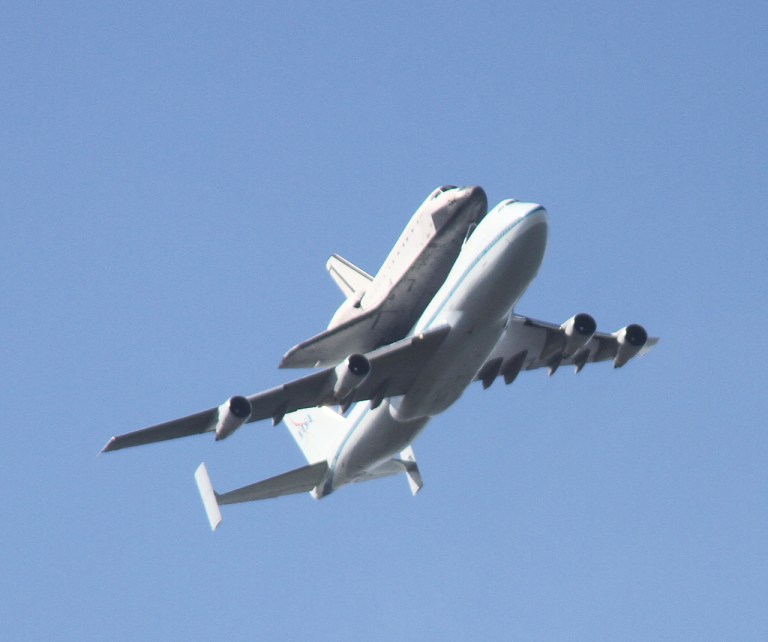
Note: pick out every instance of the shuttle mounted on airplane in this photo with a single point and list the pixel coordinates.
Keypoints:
(404, 346)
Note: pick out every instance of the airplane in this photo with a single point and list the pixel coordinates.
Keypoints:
(385, 397)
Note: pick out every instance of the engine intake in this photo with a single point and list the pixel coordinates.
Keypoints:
(350, 373)
(631, 340)
(578, 330)
(233, 413)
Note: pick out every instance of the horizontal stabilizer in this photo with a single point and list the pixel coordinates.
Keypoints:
(352, 281)
(301, 480)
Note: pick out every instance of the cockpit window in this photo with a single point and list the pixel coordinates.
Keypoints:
(440, 190)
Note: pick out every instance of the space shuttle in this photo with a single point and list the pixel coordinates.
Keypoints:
(380, 310)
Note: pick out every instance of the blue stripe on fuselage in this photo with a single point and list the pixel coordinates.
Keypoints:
(475, 262)
(328, 485)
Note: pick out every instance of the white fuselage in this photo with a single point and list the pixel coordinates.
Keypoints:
(493, 269)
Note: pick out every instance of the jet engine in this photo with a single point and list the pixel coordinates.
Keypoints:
(631, 340)
(349, 374)
(233, 413)
(578, 331)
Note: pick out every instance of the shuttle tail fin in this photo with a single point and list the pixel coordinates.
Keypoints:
(352, 281)
(318, 432)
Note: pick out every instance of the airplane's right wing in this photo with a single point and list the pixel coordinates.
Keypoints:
(528, 344)
(386, 372)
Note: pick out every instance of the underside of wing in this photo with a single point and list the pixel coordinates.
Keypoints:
(528, 344)
(301, 480)
(391, 371)
(184, 427)
(386, 372)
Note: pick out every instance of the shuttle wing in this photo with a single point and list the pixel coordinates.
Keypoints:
(528, 344)
(393, 369)
(355, 335)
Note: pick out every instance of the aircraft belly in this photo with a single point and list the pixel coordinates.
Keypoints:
(375, 437)
(450, 371)
(477, 305)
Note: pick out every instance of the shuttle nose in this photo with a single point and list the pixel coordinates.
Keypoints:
(467, 205)
(473, 193)
(473, 201)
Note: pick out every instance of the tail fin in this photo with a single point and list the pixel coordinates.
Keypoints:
(208, 495)
(318, 432)
(350, 278)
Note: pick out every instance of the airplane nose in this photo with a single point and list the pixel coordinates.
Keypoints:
(531, 213)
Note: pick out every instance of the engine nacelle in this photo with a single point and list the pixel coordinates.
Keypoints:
(350, 373)
(578, 331)
(233, 413)
(631, 340)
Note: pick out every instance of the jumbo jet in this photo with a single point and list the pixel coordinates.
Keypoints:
(356, 420)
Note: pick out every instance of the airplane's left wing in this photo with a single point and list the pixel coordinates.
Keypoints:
(528, 344)
(386, 372)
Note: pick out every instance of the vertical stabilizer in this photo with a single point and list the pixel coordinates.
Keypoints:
(415, 481)
(352, 281)
(318, 432)
(208, 495)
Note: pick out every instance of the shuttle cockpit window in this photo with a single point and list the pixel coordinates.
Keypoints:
(440, 190)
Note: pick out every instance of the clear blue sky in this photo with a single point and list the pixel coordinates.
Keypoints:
(173, 177)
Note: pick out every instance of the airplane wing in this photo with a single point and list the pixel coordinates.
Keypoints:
(528, 344)
(392, 371)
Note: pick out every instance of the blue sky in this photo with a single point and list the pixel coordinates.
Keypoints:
(174, 178)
